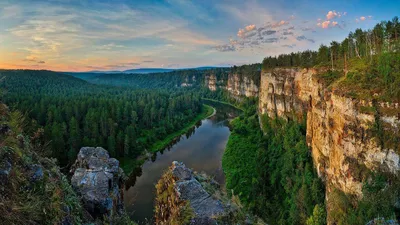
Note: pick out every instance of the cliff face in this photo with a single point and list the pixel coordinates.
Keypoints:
(211, 82)
(236, 85)
(340, 131)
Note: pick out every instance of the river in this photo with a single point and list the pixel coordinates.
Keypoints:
(201, 149)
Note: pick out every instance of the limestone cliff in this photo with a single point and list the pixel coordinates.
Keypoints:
(340, 130)
(237, 85)
(241, 87)
(211, 82)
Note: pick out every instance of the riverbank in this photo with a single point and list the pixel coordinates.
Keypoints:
(161, 144)
(128, 165)
(223, 102)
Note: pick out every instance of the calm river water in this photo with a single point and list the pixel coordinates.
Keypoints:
(201, 149)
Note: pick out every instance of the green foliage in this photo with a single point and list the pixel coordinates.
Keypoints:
(272, 173)
(75, 113)
(379, 199)
(23, 200)
(300, 59)
(318, 217)
(378, 78)
(329, 77)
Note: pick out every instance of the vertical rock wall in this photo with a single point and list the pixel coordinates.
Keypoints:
(340, 135)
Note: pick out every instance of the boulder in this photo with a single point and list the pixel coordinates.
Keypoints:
(181, 197)
(98, 179)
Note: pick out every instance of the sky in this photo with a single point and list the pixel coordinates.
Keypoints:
(86, 35)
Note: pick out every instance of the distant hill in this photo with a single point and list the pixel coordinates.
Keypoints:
(162, 70)
(148, 70)
(37, 79)
(168, 80)
(92, 74)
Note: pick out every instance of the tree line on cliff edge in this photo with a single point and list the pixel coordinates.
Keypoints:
(361, 44)
(364, 65)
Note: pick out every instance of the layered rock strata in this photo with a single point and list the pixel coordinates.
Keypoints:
(238, 86)
(340, 130)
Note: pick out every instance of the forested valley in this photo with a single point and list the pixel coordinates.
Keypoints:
(267, 162)
(69, 113)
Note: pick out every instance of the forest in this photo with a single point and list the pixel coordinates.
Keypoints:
(69, 113)
(364, 64)
(165, 80)
(269, 169)
(359, 44)
(272, 172)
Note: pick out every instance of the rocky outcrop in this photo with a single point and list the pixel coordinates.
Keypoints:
(189, 82)
(211, 82)
(340, 130)
(186, 197)
(182, 198)
(99, 180)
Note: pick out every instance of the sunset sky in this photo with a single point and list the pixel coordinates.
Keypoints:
(69, 35)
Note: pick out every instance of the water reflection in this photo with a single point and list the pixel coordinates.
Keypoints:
(137, 172)
(201, 148)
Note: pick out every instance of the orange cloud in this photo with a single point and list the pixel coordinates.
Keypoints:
(325, 24)
(331, 15)
(280, 23)
(242, 32)
(250, 27)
